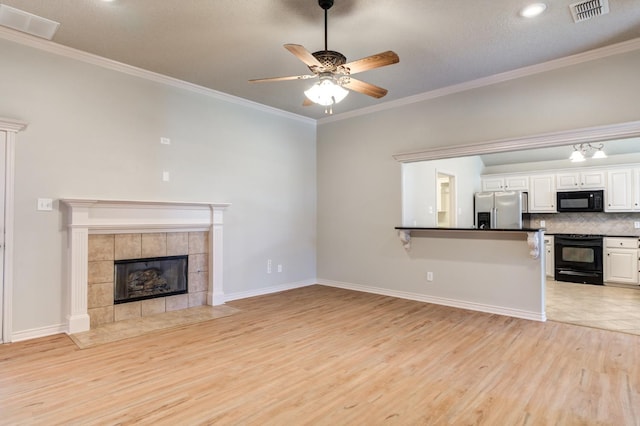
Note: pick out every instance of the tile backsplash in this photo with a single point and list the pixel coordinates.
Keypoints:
(618, 224)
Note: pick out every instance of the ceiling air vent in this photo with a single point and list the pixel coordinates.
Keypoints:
(584, 10)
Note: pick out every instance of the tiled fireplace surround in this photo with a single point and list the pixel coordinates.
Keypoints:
(101, 231)
(105, 249)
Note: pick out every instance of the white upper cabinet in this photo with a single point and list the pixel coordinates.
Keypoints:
(542, 193)
(506, 183)
(619, 193)
(493, 184)
(593, 179)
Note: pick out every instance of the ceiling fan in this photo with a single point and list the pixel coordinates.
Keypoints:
(333, 71)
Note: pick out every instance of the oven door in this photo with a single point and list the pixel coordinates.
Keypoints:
(578, 259)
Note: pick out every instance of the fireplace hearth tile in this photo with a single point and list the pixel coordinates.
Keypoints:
(177, 243)
(117, 331)
(127, 311)
(198, 263)
(153, 306)
(197, 299)
(100, 295)
(100, 247)
(177, 302)
(100, 272)
(198, 281)
(100, 316)
(128, 246)
(198, 242)
(154, 245)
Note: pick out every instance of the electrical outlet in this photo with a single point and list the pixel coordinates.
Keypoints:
(429, 276)
(636, 225)
(279, 268)
(543, 223)
(165, 176)
(45, 204)
(269, 266)
(165, 141)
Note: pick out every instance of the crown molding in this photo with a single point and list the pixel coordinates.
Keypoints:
(603, 52)
(90, 58)
(543, 140)
(11, 125)
(58, 49)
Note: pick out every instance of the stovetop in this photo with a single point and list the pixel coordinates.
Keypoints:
(580, 236)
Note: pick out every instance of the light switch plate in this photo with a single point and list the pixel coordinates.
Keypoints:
(45, 204)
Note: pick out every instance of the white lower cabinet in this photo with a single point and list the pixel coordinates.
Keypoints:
(621, 260)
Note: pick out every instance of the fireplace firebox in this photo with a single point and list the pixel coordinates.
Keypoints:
(140, 279)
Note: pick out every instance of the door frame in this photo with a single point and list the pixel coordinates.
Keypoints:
(11, 127)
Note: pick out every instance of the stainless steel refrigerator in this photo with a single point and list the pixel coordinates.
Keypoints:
(499, 210)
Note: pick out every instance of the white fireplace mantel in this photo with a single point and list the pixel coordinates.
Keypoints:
(91, 216)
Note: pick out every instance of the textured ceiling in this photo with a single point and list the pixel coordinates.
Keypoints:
(220, 44)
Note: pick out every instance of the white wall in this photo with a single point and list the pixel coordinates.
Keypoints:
(94, 132)
(419, 190)
(359, 183)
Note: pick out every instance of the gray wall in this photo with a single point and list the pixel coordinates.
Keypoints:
(359, 183)
(95, 132)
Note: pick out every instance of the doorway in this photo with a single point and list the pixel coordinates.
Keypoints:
(8, 130)
(446, 200)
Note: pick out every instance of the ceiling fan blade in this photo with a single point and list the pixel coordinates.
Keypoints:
(373, 61)
(307, 102)
(365, 88)
(293, 77)
(303, 54)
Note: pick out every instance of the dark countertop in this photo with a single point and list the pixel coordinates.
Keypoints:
(415, 228)
(602, 235)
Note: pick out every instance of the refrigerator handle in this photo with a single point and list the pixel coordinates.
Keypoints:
(494, 218)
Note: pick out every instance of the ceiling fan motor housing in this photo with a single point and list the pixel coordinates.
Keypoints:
(325, 4)
(329, 59)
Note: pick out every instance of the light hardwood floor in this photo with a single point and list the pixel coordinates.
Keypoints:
(320, 355)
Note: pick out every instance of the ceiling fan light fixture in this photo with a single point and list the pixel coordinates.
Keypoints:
(326, 92)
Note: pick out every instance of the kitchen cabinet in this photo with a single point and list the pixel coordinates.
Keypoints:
(621, 260)
(549, 253)
(592, 179)
(542, 193)
(636, 189)
(619, 193)
(505, 183)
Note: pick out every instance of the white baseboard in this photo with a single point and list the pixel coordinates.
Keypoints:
(472, 306)
(34, 333)
(268, 290)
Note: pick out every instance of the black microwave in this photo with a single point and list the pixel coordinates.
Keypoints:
(581, 201)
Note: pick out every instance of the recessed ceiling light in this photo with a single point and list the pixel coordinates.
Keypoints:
(533, 10)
